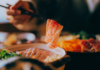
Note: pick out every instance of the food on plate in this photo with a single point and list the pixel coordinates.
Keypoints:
(41, 55)
(53, 30)
(71, 45)
(52, 58)
(78, 45)
(91, 45)
(5, 54)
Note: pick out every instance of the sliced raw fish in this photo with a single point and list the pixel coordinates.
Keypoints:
(53, 30)
(29, 52)
(38, 53)
(44, 55)
(33, 52)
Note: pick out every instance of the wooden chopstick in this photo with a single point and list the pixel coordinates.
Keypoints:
(4, 6)
(26, 12)
(8, 4)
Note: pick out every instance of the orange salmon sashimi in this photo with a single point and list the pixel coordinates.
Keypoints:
(53, 30)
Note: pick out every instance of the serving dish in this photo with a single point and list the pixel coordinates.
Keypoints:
(83, 54)
(83, 61)
(59, 64)
(20, 47)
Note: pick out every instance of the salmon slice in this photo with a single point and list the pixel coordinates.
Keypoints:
(25, 52)
(29, 52)
(20, 52)
(33, 52)
(53, 30)
(38, 53)
(44, 55)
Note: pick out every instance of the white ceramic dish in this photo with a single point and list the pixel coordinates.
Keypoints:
(60, 64)
(21, 47)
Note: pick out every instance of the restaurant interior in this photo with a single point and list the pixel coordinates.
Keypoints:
(56, 35)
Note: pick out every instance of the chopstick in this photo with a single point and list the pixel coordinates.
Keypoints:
(26, 12)
(4, 6)
(8, 4)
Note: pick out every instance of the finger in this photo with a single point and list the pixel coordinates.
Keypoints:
(15, 22)
(25, 5)
(31, 11)
(8, 17)
(18, 20)
(26, 20)
(22, 21)
(13, 12)
(11, 19)
(17, 4)
(22, 4)
(20, 17)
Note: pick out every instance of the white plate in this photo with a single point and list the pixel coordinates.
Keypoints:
(60, 63)
(20, 47)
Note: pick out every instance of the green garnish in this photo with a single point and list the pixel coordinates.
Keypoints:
(5, 54)
(84, 35)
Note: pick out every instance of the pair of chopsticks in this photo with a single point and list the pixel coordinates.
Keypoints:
(26, 12)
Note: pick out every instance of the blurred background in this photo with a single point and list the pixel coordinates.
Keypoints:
(79, 18)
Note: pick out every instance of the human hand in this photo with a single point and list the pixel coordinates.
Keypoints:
(14, 15)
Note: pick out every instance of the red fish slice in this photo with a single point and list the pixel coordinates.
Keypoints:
(33, 52)
(91, 45)
(53, 30)
(44, 55)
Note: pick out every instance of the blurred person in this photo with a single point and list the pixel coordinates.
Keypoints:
(74, 15)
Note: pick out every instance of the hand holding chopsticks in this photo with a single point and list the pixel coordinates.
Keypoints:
(26, 12)
(15, 15)
(20, 13)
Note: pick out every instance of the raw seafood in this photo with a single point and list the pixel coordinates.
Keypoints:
(91, 45)
(53, 30)
(77, 45)
(41, 55)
